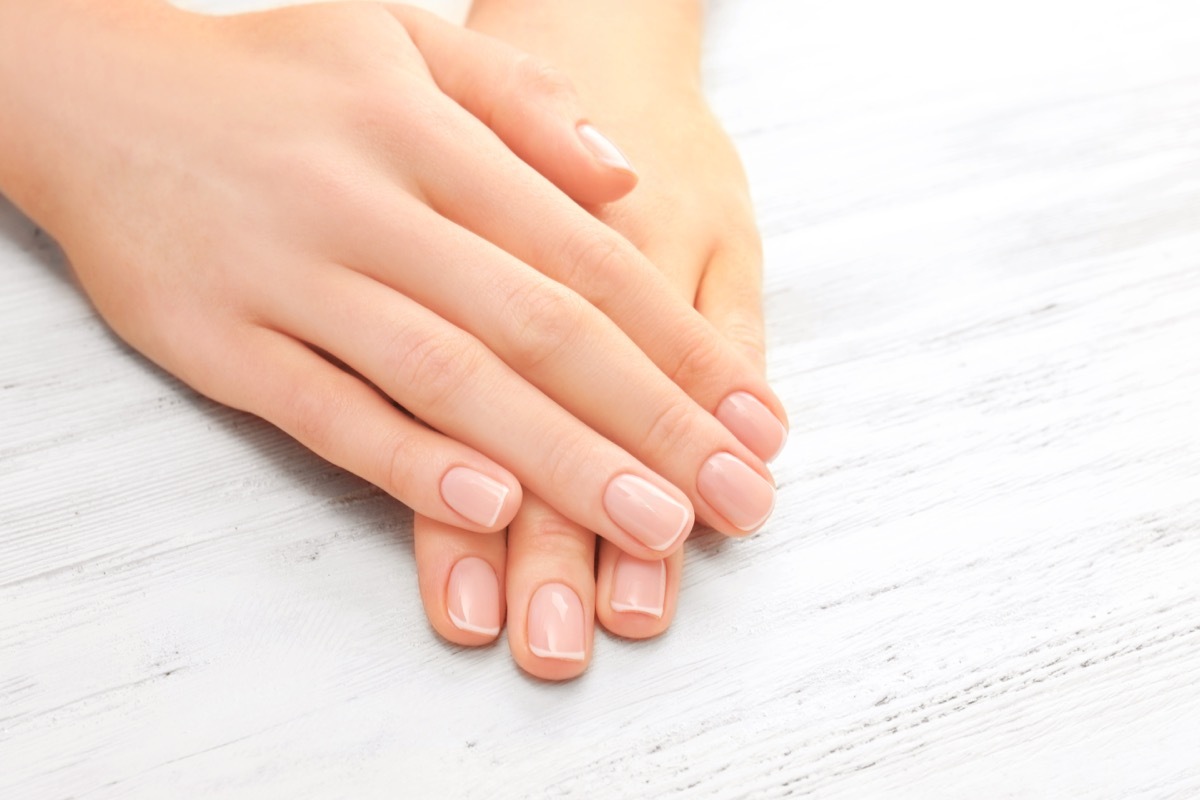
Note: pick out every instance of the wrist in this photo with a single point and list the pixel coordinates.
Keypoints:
(631, 48)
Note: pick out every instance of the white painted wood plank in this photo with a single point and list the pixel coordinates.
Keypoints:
(983, 238)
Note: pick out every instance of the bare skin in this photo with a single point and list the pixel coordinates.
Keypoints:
(312, 212)
(691, 217)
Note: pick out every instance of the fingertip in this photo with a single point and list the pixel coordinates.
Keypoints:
(603, 149)
(557, 641)
(654, 516)
(753, 423)
(473, 601)
(635, 598)
(510, 505)
(584, 163)
(612, 175)
(485, 501)
(730, 298)
(461, 579)
(551, 593)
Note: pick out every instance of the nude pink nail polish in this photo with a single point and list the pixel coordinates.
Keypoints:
(639, 586)
(646, 512)
(753, 424)
(556, 627)
(474, 495)
(737, 492)
(473, 597)
(603, 148)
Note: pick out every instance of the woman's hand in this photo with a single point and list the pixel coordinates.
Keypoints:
(314, 212)
(691, 216)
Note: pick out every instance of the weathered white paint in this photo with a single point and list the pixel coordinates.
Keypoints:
(983, 236)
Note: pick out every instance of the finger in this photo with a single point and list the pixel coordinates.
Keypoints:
(568, 245)
(343, 420)
(530, 105)
(636, 598)
(461, 580)
(551, 592)
(448, 379)
(575, 354)
(730, 296)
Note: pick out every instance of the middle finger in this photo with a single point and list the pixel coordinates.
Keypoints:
(570, 350)
(448, 379)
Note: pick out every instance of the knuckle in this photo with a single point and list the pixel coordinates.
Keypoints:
(547, 320)
(399, 467)
(561, 464)
(434, 365)
(672, 429)
(551, 538)
(311, 413)
(316, 183)
(746, 331)
(599, 265)
(700, 355)
(369, 107)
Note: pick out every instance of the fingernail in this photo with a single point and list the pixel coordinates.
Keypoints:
(602, 148)
(646, 512)
(754, 424)
(739, 493)
(639, 586)
(474, 495)
(556, 623)
(473, 597)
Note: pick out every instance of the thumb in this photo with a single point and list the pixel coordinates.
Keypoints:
(730, 297)
(531, 106)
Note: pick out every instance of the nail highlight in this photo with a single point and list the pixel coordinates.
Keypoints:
(639, 586)
(603, 148)
(556, 627)
(646, 512)
(474, 495)
(737, 492)
(753, 423)
(473, 597)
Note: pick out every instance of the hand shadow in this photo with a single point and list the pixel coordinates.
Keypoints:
(26, 237)
(366, 507)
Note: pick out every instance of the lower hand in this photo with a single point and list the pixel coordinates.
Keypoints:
(691, 216)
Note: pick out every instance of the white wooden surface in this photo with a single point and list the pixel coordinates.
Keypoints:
(983, 234)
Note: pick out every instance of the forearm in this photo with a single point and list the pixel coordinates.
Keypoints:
(604, 44)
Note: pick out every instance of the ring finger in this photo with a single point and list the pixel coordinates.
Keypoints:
(448, 379)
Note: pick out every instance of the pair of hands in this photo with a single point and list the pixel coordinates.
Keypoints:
(692, 218)
(316, 213)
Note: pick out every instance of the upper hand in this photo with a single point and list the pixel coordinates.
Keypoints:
(248, 199)
(691, 216)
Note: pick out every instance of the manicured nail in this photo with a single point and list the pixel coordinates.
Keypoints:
(474, 495)
(646, 512)
(739, 493)
(639, 586)
(556, 623)
(602, 148)
(754, 424)
(473, 597)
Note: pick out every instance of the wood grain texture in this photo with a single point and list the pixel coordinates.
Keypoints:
(983, 241)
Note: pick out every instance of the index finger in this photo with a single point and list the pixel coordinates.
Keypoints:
(559, 238)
